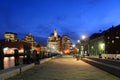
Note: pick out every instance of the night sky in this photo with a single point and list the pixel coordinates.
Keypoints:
(70, 17)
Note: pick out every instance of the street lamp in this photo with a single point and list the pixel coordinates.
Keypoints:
(101, 47)
(73, 45)
(78, 41)
(79, 46)
(53, 47)
(83, 37)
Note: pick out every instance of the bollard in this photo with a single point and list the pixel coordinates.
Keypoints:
(1, 58)
(16, 55)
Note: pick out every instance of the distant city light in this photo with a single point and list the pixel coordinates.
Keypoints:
(78, 41)
(8, 50)
(73, 45)
(92, 47)
(53, 47)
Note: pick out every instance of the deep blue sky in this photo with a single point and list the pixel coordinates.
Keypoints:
(71, 17)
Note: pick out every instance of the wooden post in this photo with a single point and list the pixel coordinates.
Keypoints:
(16, 55)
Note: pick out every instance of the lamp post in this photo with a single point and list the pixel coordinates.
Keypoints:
(79, 46)
(72, 49)
(83, 37)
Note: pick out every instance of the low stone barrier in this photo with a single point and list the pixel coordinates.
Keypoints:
(9, 73)
(5, 74)
(45, 60)
(115, 70)
(26, 67)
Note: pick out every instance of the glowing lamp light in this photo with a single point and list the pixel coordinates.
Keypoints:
(73, 45)
(25, 56)
(6, 50)
(21, 51)
(83, 37)
(53, 47)
(102, 46)
(92, 47)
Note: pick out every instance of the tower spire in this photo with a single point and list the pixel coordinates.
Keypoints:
(55, 32)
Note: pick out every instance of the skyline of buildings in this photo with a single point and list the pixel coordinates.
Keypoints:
(104, 42)
(55, 42)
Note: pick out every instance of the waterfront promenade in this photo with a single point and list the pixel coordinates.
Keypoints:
(64, 68)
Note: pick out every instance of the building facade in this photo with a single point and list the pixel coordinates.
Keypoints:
(53, 42)
(30, 39)
(66, 44)
(112, 40)
(10, 36)
(96, 44)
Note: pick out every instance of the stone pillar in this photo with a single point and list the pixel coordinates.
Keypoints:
(16, 55)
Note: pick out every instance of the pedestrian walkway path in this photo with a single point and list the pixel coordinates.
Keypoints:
(64, 69)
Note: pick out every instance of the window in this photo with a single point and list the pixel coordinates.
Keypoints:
(108, 42)
(117, 37)
(108, 37)
(113, 41)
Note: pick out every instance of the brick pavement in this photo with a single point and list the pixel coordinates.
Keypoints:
(64, 69)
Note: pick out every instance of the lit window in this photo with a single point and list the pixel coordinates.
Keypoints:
(117, 37)
(113, 41)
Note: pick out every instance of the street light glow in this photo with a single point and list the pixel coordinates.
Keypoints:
(102, 46)
(83, 37)
(53, 47)
(73, 45)
(78, 41)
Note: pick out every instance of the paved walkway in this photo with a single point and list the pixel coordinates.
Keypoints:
(65, 69)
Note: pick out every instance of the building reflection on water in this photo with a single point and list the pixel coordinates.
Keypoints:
(9, 62)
